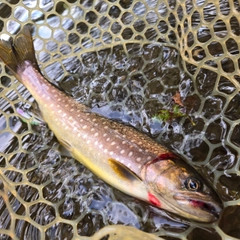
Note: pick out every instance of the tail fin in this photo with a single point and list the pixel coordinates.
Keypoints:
(14, 55)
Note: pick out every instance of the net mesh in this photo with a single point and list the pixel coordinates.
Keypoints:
(126, 60)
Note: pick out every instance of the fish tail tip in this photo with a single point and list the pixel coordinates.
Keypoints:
(16, 52)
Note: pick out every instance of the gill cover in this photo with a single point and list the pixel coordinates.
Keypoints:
(181, 190)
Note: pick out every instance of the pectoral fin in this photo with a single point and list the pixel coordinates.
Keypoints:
(122, 171)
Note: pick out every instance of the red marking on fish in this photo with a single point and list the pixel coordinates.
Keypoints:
(153, 200)
(196, 203)
(167, 155)
(164, 156)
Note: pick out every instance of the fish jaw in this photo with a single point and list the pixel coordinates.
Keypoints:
(202, 210)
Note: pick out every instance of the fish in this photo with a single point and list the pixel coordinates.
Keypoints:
(123, 157)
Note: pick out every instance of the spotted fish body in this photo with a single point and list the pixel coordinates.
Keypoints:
(90, 137)
(120, 155)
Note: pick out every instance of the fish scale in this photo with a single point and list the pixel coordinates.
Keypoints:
(123, 157)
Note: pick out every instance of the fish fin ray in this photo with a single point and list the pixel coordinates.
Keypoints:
(64, 152)
(65, 144)
(23, 46)
(8, 56)
(123, 171)
(20, 50)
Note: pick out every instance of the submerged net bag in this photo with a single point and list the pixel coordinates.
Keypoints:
(126, 60)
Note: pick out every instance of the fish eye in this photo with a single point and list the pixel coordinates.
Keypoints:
(192, 184)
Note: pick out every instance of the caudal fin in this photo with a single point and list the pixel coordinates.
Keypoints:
(15, 54)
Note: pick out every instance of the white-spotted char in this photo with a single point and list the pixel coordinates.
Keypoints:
(120, 155)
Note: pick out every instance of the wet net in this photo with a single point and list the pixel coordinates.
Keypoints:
(127, 60)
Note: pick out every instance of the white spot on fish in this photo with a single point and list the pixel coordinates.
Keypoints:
(139, 159)
(124, 142)
(100, 146)
(71, 110)
(92, 129)
(130, 154)
(104, 135)
(51, 105)
(140, 150)
(64, 114)
(94, 119)
(85, 126)
(149, 158)
(96, 134)
(111, 153)
(81, 120)
(70, 118)
(113, 143)
(128, 165)
(59, 111)
(79, 135)
(122, 151)
(105, 150)
(96, 143)
(105, 127)
(88, 141)
(108, 139)
(48, 98)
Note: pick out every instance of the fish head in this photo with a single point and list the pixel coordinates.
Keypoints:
(177, 187)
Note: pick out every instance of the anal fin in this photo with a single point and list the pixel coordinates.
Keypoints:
(65, 145)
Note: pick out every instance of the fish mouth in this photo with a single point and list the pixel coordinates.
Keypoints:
(201, 207)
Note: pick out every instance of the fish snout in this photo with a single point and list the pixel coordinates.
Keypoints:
(200, 209)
